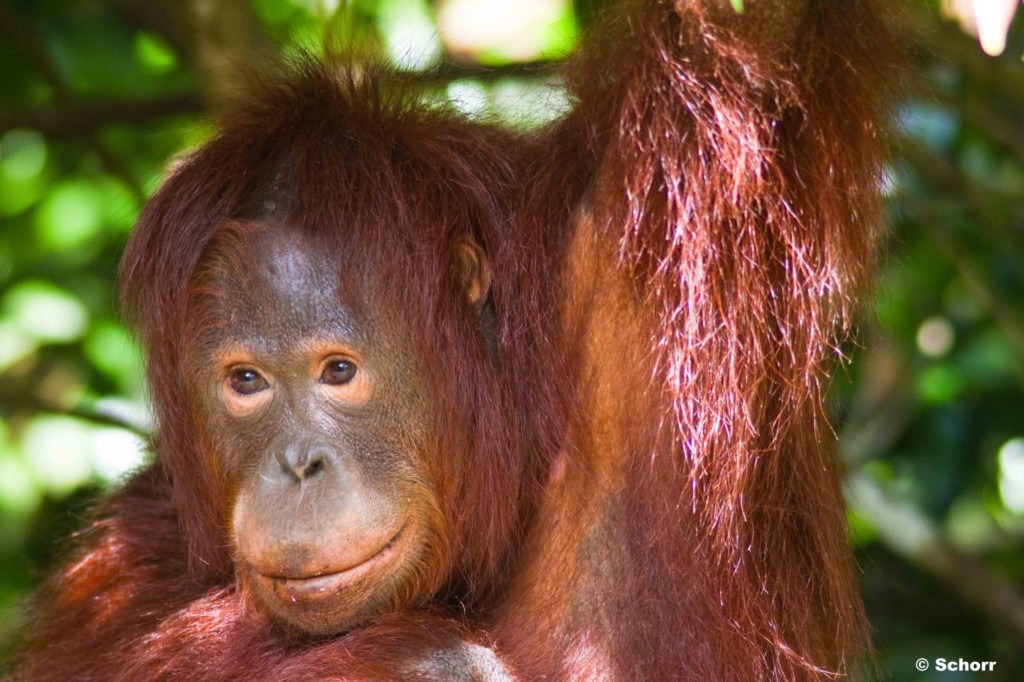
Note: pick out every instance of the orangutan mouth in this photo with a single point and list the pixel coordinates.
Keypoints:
(324, 584)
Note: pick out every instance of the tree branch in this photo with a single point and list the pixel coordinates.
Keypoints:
(921, 543)
(86, 411)
(449, 71)
(224, 37)
(902, 528)
(76, 119)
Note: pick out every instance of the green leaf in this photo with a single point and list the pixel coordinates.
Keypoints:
(154, 54)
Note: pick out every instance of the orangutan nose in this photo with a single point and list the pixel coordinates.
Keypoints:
(302, 462)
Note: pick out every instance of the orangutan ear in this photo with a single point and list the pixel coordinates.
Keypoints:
(474, 271)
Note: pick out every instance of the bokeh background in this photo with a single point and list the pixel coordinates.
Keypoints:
(97, 97)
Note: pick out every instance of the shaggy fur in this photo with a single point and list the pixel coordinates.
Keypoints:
(652, 492)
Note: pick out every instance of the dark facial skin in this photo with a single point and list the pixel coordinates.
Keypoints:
(314, 412)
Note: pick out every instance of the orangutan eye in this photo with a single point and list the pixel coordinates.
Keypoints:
(246, 381)
(338, 373)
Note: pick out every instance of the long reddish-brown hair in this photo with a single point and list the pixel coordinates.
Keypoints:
(739, 175)
(723, 171)
(387, 186)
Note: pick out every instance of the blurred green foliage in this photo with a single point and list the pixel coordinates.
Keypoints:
(96, 99)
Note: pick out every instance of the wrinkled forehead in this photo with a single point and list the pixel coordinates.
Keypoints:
(264, 284)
